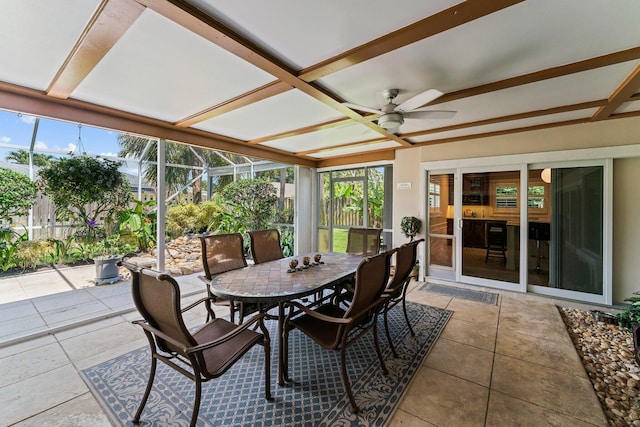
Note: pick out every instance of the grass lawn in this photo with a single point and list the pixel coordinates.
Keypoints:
(340, 240)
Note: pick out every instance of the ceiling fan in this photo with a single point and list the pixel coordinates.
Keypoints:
(392, 115)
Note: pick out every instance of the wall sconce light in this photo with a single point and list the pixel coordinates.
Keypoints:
(546, 175)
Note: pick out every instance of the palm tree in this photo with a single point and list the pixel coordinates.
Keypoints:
(176, 153)
(21, 157)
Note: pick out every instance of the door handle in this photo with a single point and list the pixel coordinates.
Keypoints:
(459, 223)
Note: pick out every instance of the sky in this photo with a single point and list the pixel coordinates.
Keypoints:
(58, 136)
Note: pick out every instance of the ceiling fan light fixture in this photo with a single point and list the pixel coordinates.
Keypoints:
(390, 120)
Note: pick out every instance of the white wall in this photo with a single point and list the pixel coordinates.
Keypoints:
(626, 233)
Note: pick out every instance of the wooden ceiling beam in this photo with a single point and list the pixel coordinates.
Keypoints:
(511, 117)
(362, 158)
(108, 24)
(37, 103)
(522, 129)
(549, 73)
(259, 94)
(622, 94)
(313, 128)
(447, 19)
(337, 147)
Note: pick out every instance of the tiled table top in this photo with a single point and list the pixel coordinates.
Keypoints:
(271, 282)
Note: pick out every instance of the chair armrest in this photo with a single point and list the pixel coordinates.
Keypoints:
(196, 303)
(144, 325)
(317, 315)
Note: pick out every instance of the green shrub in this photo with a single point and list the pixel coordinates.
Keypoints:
(631, 314)
(17, 194)
(30, 253)
(192, 218)
(77, 183)
(252, 202)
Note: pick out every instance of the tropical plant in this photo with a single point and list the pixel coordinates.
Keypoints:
(21, 157)
(631, 314)
(59, 250)
(85, 189)
(139, 221)
(17, 194)
(9, 242)
(252, 202)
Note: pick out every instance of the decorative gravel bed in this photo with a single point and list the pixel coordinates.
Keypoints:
(607, 355)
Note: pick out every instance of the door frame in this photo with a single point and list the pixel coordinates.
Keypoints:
(573, 158)
(519, 286)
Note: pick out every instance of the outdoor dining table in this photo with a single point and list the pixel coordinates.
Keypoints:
(273, 283)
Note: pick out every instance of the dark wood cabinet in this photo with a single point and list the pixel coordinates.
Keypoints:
(475, 189)
(473, 233)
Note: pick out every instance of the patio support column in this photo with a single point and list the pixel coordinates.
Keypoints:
(162, 205)
(31, 176)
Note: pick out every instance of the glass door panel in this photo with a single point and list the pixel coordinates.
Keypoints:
(567, 253)
(539, 208)
(491, 225)
(441, 251)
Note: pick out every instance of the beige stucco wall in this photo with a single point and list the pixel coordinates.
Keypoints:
(626, 228)
(626, 233)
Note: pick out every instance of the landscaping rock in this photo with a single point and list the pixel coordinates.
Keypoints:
(606, 351)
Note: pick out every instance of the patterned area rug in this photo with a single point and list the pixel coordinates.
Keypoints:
(316, 397)
(468, 294)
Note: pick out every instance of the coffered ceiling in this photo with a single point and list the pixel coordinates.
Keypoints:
(269, 78)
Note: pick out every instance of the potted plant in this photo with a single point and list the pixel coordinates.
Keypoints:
(410, 226)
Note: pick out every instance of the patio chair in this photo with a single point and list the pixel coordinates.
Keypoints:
(203, 354)
(265, 245)
(363, 241)
(336, 329)
(396, 290)
(220, 253)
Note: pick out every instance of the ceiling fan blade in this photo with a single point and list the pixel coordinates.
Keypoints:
(361, 108)
(419, 100)
(430, 114)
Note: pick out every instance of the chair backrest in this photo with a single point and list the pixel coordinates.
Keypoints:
(497, 230)
(222, 252)
(406, 257)
(371, 280)
(363, 241)
(157, 298)
(265, 245)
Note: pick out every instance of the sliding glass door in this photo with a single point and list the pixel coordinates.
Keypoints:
(491, 226)
(538, 227)
(569, 254)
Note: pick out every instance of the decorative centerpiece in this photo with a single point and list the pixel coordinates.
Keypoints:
(293, 266)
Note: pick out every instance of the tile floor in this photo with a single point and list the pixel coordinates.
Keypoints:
(510, 364)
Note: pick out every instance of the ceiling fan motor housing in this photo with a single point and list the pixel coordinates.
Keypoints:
(390, 120)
